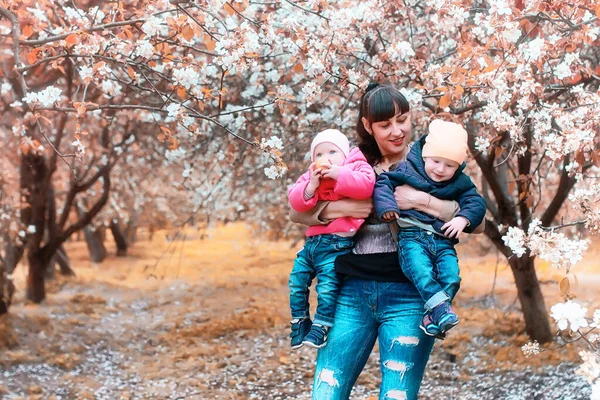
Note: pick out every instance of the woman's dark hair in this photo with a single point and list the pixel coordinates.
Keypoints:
(378, 103)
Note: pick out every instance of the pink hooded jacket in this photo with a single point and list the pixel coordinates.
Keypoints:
(355, 181)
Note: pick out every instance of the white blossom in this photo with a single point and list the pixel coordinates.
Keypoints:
(186, 77)
(530, 349)
(173, 110)
(311, 92)
(274, 172)
(46, 97)
(515, 239)
(153, 26)
(400, 51)
(482, 144)
(144, 49)
(86, 73)
(590, 368)
(5, 88)
(274, 142)
(569, 315)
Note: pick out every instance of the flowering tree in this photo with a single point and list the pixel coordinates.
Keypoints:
(214, 78)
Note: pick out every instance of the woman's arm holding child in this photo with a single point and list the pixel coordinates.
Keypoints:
(409, 198)
(326, 211)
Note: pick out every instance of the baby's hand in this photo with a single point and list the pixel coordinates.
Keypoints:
(390, 216)
(315, 180)
(455, 227)
(330, 171)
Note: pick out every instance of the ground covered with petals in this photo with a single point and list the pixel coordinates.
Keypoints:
(207, 318)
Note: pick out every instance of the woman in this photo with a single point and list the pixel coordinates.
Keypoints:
(376, 300)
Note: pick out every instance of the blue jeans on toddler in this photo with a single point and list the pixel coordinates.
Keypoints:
(317, 258)
(430, 262)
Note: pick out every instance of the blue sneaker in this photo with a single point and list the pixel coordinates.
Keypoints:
(317, 337)
(444, 317)
(428, 326)
(300, 327)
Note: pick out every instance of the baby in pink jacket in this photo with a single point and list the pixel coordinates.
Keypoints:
(336, 173)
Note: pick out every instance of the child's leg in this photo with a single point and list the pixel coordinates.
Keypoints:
(448, 269)
(415, 248)
(300, 280)
(328, 286)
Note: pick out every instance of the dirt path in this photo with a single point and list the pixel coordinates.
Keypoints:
(217, 329)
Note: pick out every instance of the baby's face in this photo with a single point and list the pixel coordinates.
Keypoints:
(440, 169)
(329, 152)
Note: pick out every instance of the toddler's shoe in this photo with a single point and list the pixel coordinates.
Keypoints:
(444, 317)
(428, 326)
(300, 327)
(317, 337)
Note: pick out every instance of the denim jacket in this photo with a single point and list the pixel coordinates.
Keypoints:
(412, 172)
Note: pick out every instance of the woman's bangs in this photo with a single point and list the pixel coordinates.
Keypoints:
(386, 103)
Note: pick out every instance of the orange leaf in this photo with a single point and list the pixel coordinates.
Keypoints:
(181, 92)
(165, 130)
(570, 47)
(229, 9)
(32, 56)
(298, 68)
(187, 32)
(71, 39)
(209, 43)
(28, 31)
(130, 72)
(598, 11)
(24, 148)
(174, 144)
(445, 100)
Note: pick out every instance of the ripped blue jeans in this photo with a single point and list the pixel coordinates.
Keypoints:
(368, 310)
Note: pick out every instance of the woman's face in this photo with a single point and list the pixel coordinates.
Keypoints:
(391, 135)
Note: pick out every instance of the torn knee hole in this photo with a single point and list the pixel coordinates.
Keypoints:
(405, 341)
(327, 376)
(396, 395)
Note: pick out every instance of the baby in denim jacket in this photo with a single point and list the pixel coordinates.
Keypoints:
(434, 165)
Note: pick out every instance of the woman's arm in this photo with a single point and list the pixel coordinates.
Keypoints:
(325, 212)
(411, 198)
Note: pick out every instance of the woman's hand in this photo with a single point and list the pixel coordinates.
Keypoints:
(409, 198)
(348, 208)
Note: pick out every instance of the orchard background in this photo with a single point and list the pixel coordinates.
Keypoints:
(173, 118)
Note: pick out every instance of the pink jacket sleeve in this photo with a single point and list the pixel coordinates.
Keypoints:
(356, 181)
(296, 194)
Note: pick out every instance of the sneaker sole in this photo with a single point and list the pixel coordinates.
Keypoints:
(296, 347)
(314, 346)
(427, 333)
(446, 327)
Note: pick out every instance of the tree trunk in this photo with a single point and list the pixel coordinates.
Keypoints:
(50, 273)
(532, 301)
(36, 290)
(119, 237)
(131, 229)
(63, 261)
(12, 255)
(64, 264)
(7, 289)
(95, 244)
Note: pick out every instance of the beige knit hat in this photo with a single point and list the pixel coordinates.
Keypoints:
(447, 140)
(331, 136)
